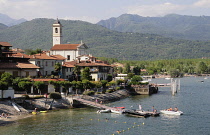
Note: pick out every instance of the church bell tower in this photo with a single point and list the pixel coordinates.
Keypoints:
(57, 32)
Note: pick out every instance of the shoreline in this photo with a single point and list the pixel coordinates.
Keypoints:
(12, 119)
(59, 104)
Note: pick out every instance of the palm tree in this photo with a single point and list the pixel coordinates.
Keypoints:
(77, 72)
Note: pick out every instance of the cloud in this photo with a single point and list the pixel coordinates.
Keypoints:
(27, 9)
(156, 10)
(202, 4)
(83, 18)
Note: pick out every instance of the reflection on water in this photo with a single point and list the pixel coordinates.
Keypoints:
(192, 96)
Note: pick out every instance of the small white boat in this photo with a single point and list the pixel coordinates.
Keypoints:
(171, 112)
(117, 111)
(104, 111)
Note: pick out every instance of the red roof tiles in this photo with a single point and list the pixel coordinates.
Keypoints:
(18, 65)
(65, 47)
(47, 80)
(5, 44)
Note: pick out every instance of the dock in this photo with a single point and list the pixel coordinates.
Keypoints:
(93, 104)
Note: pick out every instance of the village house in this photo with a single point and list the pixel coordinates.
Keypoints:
(43, 60)
(99, 69)
(18, 67)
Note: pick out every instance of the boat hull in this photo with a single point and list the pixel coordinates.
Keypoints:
(136, 113)
(104, 111)
(171, 112)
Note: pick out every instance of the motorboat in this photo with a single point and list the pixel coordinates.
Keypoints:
(118, 111)
(136, 113)
(171, 112)
(104, 111)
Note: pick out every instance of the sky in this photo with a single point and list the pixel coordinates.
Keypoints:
(95, 10)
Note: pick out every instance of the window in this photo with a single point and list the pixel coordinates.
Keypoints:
(46, 63)
(52, 63)
(68, 57)
(46, 73)
(56, 30)
(27, 73)
(38, 63)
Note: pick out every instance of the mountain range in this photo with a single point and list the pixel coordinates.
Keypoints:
(103, 42)
(172, 25)
(6, 20)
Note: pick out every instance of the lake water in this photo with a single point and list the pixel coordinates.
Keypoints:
(193, 99)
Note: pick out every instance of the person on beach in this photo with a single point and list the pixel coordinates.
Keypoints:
(35, 110)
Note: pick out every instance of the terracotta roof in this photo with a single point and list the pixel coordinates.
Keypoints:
(5, 44)
(47, 80)
(58, 57)
(42, 56)
(84, 64)
(27, 65)
(39, 56)
(65, 47)
(68, 64)
(18, 65)
(21, 55)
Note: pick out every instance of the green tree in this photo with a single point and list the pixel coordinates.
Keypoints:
(86, 84)
(201, 67)
(86, 75)
(25, 85)
(65, 85)
(136, 79)
(137, 70)
(39, 85)
(127, 68)
(109, 77)
(7, 77)
(130, 75)
(57, 68)
(77, 72)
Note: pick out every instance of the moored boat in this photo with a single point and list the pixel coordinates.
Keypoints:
(136, 113)
(171, 112)
(119, 111)
(104, 111)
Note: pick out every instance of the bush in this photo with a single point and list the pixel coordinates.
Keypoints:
(118, 88)
(110, 91)
(89, 93)
(98, 93)
(55, 95)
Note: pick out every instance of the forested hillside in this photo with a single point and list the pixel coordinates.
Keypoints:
(2, 26)
(175, 26)
(103, 42)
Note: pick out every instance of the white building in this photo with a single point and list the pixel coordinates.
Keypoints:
(69, 51)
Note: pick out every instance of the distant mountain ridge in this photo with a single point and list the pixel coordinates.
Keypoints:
(172, 25)
(5, 19)
(103, 42)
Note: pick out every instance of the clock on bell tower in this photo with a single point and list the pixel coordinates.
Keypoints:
(57, 32)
